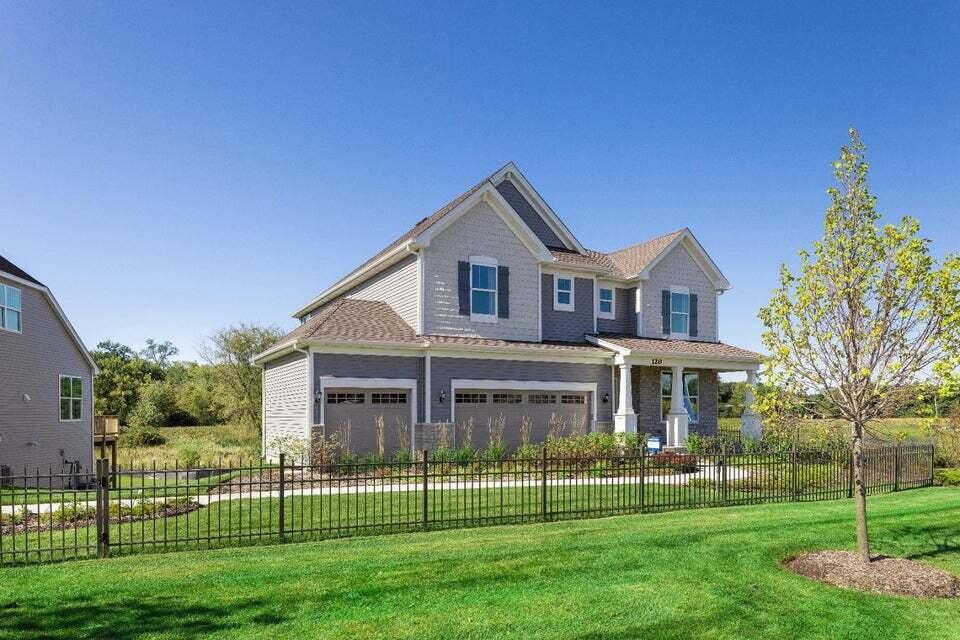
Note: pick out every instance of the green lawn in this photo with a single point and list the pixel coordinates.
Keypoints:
(694, 574)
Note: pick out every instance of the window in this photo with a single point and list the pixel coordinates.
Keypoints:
(471, 398)
(10, 318)
(388, 398)
(542, 398)
(71, 398)
(691, 395)
(573, 399)
(483, 289)
(679, 313)
(507, 398)
(606, 309)
(344, 397)
(562, 293)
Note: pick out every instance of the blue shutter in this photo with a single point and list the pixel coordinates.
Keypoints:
(665, 310)
(693, 315)
(463, 286)
(503, 292)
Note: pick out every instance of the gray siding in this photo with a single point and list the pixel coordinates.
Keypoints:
(397, 286)
(284, 400)
(626, 318)
(529, 215)
(480, 232)
(678, 268)
(31, 434)
(646, 401)
(360, 366)
(443, 370)
(567, 326)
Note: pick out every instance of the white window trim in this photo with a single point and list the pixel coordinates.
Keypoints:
(612, 314)
(683, 291)
(485, 261)
(5, 308)
(684, 386)
(557, 306)
(60, 397)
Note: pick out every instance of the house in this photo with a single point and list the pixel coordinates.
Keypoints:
(489, 320)
(46, 395)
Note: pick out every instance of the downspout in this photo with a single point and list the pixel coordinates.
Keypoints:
(308, 422)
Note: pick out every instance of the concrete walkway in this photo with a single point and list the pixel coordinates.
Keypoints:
(704, 473)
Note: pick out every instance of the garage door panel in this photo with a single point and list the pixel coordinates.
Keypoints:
(353, 414)
(482, 413)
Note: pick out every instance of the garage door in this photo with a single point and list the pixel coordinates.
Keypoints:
(485, 414)
(362, 419)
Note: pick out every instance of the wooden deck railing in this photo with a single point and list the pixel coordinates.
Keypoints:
(106, 426)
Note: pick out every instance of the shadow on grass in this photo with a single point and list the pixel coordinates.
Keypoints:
(131, 618)
(917, 542)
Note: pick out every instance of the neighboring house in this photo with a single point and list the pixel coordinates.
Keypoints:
(46, 393)
(490, 307)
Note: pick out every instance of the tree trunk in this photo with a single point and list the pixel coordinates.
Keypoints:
(860, 493)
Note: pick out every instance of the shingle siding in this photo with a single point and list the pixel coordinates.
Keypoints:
(284, 399)
(31, 362)
(678, 268)
(625, 320)
(529, 215)
(567, 326)
(398, 287)
(443, 370)
(480, 232)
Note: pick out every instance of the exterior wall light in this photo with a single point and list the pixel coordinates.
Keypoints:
(443, 396)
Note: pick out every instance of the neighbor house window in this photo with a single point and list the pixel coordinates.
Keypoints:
(679, 312)
(606, 308)
(10, 301)
(483, 289)
(562, 293)
(691, 394)
(71, 398)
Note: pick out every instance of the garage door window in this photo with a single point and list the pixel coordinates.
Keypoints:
(573, 399)
(507, 398)
(340, 397)
(542, 398)
(471, 398)
(388, 398)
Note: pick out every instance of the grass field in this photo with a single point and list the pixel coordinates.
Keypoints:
(213, 444)
(694, 574)
(890, 429)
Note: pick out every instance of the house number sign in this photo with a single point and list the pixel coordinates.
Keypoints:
(656, 361)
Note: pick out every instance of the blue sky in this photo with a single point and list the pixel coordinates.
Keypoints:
(174, 168)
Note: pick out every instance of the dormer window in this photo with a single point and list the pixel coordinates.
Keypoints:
(483, 289)
(10, 309)
(562, 293)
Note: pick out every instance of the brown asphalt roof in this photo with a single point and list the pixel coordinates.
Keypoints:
(683, 347)
(8, 267)
(635, 258)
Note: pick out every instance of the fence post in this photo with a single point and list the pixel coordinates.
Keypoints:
(932, 462)
(794, 481)
(426, 480)
(103, 508)
(850, 463)
(896, 468)
(543, 483)
(282, 508)
(723, 473)
(643, 492)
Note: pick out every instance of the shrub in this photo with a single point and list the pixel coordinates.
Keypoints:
(464, 455)
(496, 451)
(527, 451)
(947, 477)
(143, 436)
(676, 462)
(147, 414)
(189, 454)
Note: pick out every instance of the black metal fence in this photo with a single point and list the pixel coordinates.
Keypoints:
(46, 517)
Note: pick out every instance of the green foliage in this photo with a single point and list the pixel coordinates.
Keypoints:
(197, 394)
(143, 436)
(238, 380)
(674, 462)
(189, 454)
(947, 477)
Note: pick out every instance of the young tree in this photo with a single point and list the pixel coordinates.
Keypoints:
(870, 312)
(231, 352)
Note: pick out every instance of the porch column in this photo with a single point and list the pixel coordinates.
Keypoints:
(625, 420)
(750, 425)
(677, 420)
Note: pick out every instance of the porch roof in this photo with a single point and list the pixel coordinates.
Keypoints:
(633, 346)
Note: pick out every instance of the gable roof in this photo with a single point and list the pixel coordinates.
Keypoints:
(17, 274)
(348, 319)
(11, 269)
(635, 345)
(632, 260)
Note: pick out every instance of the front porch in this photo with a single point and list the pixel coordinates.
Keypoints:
(669, 387)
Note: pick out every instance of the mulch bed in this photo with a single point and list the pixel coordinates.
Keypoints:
(895, 576)
(41, 522)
